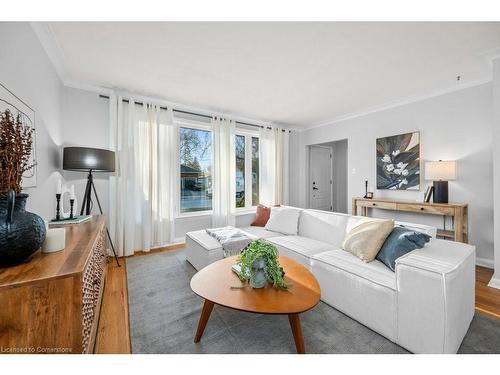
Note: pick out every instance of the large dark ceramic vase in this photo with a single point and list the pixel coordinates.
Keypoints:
(21, 232)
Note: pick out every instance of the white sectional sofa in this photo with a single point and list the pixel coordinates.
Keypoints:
(425, 306)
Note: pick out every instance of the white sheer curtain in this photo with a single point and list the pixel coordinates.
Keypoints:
(224, 172)
(273, 166)
(143, 189)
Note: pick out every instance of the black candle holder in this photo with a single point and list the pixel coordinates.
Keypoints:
(71, 204)
(58, 207)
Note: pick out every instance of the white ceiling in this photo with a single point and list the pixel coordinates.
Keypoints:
(298, 74)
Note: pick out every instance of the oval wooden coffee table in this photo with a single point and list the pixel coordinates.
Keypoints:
(214, 282)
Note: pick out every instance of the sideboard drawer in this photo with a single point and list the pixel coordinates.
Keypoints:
(436, 210)
(378, 204)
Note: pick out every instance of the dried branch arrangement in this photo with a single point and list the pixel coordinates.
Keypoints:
(16, 142)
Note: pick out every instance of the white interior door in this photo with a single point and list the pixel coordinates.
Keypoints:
(320, 184)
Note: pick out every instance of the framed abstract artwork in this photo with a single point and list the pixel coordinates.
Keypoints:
(18, 107)
(398, 162)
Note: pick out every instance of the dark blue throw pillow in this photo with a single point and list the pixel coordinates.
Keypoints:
(400, 242)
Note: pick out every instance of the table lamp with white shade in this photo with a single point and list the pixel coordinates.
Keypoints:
(440, 172)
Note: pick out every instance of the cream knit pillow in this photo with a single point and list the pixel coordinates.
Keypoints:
(366, 238)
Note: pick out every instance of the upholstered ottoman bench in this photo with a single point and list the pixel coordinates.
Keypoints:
(202, 249)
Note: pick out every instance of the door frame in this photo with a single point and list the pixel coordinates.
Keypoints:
(309, 182)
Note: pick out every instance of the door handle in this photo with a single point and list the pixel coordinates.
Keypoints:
(315, 188)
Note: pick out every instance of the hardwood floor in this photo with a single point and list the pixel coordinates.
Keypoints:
(487, 299)
(113, 333)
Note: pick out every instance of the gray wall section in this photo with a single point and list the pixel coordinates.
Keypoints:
(339, 173)
(454, 126)
(26, 70)
(496, 173)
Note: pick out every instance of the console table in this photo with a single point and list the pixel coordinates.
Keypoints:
(458, 212)
(51, 303)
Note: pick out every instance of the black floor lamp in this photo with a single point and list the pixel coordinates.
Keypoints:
(85, 159)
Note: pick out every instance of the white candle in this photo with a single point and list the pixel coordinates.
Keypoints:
(72, 192)
(55, 240)
(59, 187)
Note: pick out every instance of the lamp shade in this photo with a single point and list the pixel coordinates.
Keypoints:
(443, 170)
(86, 158)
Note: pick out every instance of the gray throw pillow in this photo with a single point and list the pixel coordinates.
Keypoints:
(400, 242)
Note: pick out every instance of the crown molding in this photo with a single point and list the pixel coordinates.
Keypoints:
(398, 103)
(162, 101)
(52, 48)
(491, 55)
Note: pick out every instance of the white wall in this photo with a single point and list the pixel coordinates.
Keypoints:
(455, 126)
(495, 281)
(86, 123)
(26, 70)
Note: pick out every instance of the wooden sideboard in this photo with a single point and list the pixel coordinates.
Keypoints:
(51, 303)
(458, 211)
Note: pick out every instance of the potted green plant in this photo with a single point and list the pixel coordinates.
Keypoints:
(259, 265)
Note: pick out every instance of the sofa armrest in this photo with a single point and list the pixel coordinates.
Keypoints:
(436, 292)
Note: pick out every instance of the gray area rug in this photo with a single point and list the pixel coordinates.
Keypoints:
(164, 314)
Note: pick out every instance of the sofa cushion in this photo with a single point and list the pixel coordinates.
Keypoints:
(366, 238)
(284, 220)
(375, 271)
(301, 245)
(400, 242)
(323, 226)
(259, 232)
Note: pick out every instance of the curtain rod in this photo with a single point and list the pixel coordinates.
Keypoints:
(197, 114)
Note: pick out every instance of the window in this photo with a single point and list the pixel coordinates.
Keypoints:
(240, 171)
(247, 170)
(195, 155)
(255, 171)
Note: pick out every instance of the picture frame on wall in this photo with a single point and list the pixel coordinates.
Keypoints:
(398, 162)
(8, 100)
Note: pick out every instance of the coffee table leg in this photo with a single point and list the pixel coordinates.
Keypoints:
(297, 332)
(205, 314)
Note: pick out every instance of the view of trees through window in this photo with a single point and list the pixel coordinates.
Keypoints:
(195, 147)
(240, 170)
(255, 171)
(195, 154)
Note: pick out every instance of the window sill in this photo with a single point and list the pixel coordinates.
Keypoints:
(194, 214)
(239, 212)
(244, 211)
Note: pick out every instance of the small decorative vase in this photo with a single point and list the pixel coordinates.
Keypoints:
(258, 274)
(21, 232)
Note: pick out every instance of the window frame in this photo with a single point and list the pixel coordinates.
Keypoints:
(196, 125)
(248, 134)
(206, 126)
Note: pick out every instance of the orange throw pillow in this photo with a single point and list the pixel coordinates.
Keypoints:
(262, 216)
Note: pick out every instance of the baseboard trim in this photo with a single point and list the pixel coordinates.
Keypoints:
(495, 281)
(483, 262)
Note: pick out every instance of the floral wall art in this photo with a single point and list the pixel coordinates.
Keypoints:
(398, 162)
